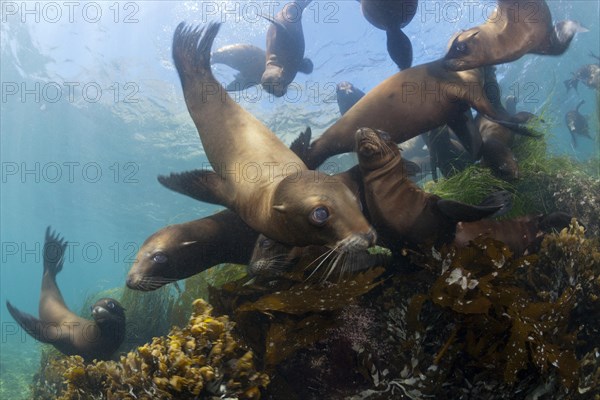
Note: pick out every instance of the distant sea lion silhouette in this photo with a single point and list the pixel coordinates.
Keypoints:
(278, 196)
(391, 16)
(588, 74)
(66, 331)
(515, 28)
(248, 60)
(577, 124)
(285, 49)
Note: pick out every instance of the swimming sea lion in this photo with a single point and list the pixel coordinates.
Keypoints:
(255, 174)
(588, 74)
(522, 235)
(347, 96)
(247, 59)
(272, 259)
(391, 16)
(515, 28)
(65, 330)
(414, 101)
(181, 250)
(285, 49)
(577, 124)
(402, 213)
(496, 152)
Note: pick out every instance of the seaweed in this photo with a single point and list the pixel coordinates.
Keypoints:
(202, 360)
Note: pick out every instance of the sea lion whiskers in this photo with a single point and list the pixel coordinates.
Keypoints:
(324, 258)
(149, 283)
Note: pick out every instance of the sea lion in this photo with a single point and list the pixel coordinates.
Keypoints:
(285, 49)
(66, 331)
(414, 101)
(255, 174)
(402, 213)
(445, 152)
(272, 260)
(588, 74)
(522, 235)
(347, 96)
(515, 28)
(181, 250)
(496, 150)
(577, 124)
(391, 16)
(247, 59)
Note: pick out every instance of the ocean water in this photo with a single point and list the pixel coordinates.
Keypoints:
(92, 111)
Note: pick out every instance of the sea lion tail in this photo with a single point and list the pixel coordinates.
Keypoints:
(54, 252)
(191, 50)
(399, 48)
(29, 323)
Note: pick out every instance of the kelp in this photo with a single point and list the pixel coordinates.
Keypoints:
(202, 360)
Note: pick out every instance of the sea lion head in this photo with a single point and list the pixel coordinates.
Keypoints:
(271, 259)
(165, 257)
(275, 80)
(464, 51)
(375, 148)
(107, 311)
(315, 208)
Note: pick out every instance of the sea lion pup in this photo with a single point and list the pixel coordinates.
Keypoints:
(588, 74)
(272, 260)
(391, 16)
(515, 28)
(181, 250)
(577, 124)
(496, 150)
(248, 60)
(285, 49)
(412, 102)
(347, 96)
(275, 194)
(402, 213)
(522, 235)
(58, 326)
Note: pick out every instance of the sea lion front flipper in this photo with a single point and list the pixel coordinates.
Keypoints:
(458, 211)
(399, 48)
(240, 82)
(517, 124)
(306, 66)
(465, 129)
(301, 145)
(39, 330)
(200, 185)
(54, 250)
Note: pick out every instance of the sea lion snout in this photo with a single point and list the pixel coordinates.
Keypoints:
(358, 241)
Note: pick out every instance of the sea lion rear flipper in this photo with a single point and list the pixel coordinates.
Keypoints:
(306, 66)
(200, 185)
(399, 48)
(54, 251)
(458, 211)
(301, 145)
(36, 328)
(465, 129)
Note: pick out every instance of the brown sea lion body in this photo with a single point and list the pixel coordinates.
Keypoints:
(181, 250)
(521, 234)
(255, 174)
(66, 331)
(285, 49)
(577, 124)
(515, 28)
(402, 213)
(391, 16)
(411, 102)
(247, 59)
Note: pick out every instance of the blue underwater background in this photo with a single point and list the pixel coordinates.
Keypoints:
(92, 111)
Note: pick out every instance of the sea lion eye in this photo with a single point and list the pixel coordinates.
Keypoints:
(319, 215)
(384, 136)
(266, 243)
(110, 305)
(461, 47)
(160, 258)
